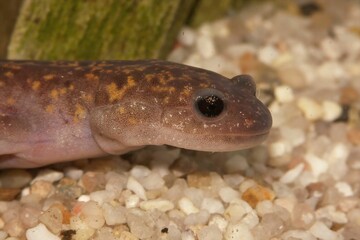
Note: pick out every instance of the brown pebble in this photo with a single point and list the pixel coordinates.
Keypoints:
(9, 194)
(199, 180)
(93, 181)
(257, 193)
(14, 178)
(69, 188)
(348, 95)
(42, 188)
(353, 135)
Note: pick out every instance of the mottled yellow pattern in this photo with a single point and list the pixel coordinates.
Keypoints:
(132, 120)
(50, 108)
(49, 77)
(54, 94)
(10, 101)
(116, 93)
(80, 113)
(159, 88)
(91, 76)
(35, 85)
(9, 74)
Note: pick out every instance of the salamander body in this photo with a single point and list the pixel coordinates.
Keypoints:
(60, 111)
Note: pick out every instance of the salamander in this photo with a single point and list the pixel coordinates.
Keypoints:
(65, 110)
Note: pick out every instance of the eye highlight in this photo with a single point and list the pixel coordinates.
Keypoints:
(209, 103)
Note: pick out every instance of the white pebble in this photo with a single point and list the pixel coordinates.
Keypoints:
(157, 204)
(153, 181)
(297, 234)
(318, 165)
(102, 196)
(48, 176)
(84, 198)
(212, 205)
(187, 206)
(310, 108)
(278, 148)
(268, 54)
(291, 175)
(40, 232)
(331, 48)
(140, 171)
(132, 201)
(237, 210)
(331, 110)
(284, 94)
(219, 221)
(205, 46)
(83, 231)
(74, 173)
(344, 188)
(251, 219)
(93, 215)
(199, 218)
(3, 235)
(321, 231)
(136, 187)
(210, 233)
(227, 194)
(238, 232)
(114, 214)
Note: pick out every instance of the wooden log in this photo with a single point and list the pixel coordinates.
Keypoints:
(97, 29)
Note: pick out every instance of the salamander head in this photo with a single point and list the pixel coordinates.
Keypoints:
(185, 107)
(225, 116)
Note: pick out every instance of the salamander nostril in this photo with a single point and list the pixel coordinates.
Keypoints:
(210, 106)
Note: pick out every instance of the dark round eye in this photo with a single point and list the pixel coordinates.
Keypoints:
(209, 105)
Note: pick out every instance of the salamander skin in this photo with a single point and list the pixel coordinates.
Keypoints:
(60, 111)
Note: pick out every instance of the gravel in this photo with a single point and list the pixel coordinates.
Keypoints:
(302, 183)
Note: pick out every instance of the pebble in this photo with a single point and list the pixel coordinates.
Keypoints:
(42, 188)
(310, 108)
(92, 215)
(187, 206)
(48, 175)
(114, 214)
(82, 230)
(219, 221)
(239, 232)
(236, 163)
(52, 219)
(3, 235)
(198, 218)
(321, 231)
(136, 187)
(132, 201)
(40, 232)
(331, 111)
(211, 232)
(291, 175)
(102, 196)
(237, 210)
(158, 204)
(14, 178)
(212, 205)
(284, 94)
(256, 194)
(228, 194)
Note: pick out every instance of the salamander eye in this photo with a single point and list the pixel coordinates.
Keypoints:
(209, 103)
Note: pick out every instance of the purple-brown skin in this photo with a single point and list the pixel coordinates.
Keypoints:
(60, 111)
